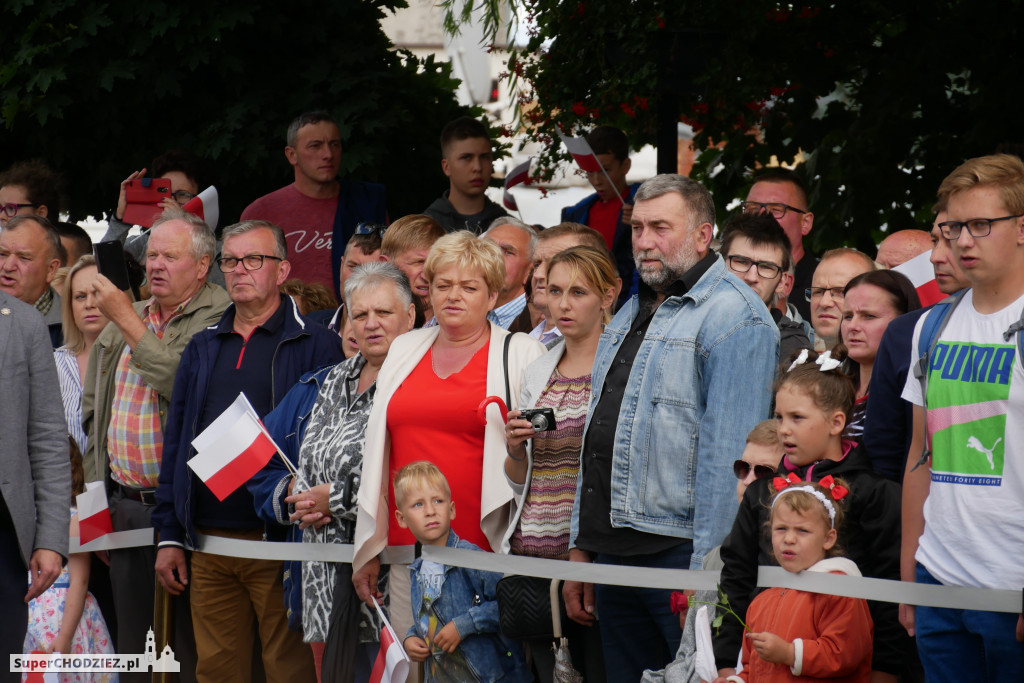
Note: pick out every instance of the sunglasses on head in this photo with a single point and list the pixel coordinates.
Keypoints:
(741, 468)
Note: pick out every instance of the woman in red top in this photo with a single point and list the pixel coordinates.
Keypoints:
(428, 392)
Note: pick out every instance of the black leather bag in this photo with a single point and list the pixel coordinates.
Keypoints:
(530, 608)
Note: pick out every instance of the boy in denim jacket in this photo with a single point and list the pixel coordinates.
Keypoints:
(455, 626)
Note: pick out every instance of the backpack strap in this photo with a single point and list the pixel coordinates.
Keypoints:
(934, 324)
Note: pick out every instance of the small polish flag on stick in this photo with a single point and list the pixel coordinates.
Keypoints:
(392, 664)
(93, 513)
(517, 176)
(585, 158)
(921, 274)
(232, 449)
(206, 205)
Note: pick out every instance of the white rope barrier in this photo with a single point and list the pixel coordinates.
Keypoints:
(954, 597)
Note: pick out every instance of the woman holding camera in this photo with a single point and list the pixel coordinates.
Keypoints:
(428, 396)
(542, 467)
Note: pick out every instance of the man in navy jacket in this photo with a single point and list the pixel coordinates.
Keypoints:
(260, 347)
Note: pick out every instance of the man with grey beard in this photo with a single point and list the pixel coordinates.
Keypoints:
(682, 373)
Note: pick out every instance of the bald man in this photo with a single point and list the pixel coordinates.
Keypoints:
(902, 246)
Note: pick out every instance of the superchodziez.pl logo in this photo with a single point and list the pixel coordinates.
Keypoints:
(84, 663)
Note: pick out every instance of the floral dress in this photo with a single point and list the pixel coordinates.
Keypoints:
(91, 637)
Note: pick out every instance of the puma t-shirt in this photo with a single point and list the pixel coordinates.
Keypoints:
(974, 513)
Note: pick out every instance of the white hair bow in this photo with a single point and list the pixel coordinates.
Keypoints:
(826, 362)
(799, 360)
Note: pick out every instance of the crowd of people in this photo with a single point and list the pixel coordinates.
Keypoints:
(645, 384)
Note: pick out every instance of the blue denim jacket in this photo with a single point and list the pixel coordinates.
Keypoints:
(469, 598)
(701, 380)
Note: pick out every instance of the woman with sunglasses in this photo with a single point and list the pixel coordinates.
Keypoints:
(760, 456)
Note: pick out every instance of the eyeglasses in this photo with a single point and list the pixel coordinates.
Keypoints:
(183, 196)
(742, 264)
(812, 293)
(11, 210)
(977, 227)
(776, 209)
(741, 468)
(366, 228)
(251, 262)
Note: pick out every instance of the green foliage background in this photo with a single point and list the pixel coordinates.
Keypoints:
(922, 85)
(98, 89)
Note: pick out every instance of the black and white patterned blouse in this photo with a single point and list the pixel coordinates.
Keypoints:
(332, 452)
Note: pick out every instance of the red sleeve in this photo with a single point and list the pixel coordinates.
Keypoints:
(845, 641)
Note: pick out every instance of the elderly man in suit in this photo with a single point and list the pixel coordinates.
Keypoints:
(35, 475)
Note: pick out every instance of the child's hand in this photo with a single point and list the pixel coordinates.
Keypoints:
(60, 644)
(416, 648)
(627, 213)
(448, 638)
(772, 648)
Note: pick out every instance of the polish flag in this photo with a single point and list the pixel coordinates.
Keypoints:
(93, 513)
(517, 176)
(392, 664)
(580, 150)
(921, 274)
(206, 205)
(232, 449)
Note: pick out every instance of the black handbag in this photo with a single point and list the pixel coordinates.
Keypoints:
(530, 608)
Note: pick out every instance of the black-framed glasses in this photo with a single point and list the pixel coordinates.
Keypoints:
(11, 210)
(367, 228)
(742, 264)
(976, 227)
(812, 293)
(776, 209)
(183, 196)
(741, 468)
(250, 262)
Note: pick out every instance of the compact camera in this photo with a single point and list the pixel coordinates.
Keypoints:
(542, 419)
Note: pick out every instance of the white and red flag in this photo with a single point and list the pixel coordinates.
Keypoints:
(93, 513)
(392, 664)
(232, 449)
(517, 176)
(206, 205)
(580, 150)
(921, 274)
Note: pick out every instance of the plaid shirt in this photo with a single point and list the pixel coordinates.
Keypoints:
(135, 438)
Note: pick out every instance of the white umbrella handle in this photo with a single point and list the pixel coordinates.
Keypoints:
(556, 612)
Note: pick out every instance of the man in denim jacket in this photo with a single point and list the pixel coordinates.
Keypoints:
(682, 373)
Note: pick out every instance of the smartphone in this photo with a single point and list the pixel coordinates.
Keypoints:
(143, 197)
(110, 263)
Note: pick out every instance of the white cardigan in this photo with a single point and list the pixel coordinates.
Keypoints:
(495, 494)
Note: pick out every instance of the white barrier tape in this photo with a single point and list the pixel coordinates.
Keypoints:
(114, 541)
(274, 550)
(953, 597)
(588, 572)
(921, 594)
(250, 550)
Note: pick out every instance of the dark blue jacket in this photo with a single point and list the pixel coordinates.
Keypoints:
(622, 245)
(286, 424)
(889, 422)
(304, 346)
(469, 598)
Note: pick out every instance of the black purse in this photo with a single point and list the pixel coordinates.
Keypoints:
(530, 608)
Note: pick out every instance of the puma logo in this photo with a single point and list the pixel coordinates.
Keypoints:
(975, 443)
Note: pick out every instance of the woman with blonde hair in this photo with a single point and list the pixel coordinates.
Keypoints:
(82, 323)
(428, 407)
(542, 467)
